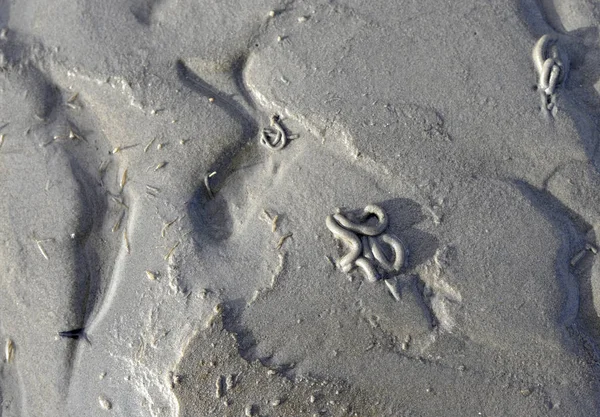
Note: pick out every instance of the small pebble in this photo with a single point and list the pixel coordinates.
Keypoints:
(230, 382)
(104, 403)
(176, 379)
(249, 411)
(9, 351)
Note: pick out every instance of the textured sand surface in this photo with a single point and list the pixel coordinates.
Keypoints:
(140, 209)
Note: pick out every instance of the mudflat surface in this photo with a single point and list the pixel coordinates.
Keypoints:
(191, 269)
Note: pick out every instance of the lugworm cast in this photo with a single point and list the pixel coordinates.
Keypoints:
(397, 262)
(365, 229)
(351, 240)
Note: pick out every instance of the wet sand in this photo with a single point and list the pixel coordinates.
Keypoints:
(190, 267)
